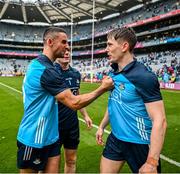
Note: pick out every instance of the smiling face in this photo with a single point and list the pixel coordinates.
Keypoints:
(66, 58)
(55, 42)
(59, 45)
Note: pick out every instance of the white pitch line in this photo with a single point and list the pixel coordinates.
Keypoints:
(10, 88)
(106, 131)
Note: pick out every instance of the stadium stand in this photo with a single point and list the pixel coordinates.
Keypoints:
(156, 24)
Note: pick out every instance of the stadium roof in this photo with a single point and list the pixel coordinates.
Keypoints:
(60, 11)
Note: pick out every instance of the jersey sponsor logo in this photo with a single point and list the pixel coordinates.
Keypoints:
(116, 96)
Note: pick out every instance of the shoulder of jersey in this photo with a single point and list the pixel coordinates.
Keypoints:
(144, 73)
(74, 70)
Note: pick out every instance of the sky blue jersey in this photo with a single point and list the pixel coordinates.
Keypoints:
(39, 125)
(135, 85)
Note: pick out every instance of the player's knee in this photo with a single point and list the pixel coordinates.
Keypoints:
(71, 163)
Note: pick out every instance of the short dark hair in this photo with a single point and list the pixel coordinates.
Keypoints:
(51, 31)
(126, 34)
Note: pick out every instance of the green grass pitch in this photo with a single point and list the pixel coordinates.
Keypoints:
(11, 111)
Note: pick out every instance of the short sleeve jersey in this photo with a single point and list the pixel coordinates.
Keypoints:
(39, 125)
(135, 85)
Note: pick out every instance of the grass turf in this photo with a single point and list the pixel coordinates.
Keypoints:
(11, 111)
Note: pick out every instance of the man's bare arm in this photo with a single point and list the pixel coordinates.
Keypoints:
(77, 102)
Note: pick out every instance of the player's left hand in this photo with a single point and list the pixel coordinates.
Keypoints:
(148, 169)
(99, 136)
(88, 122)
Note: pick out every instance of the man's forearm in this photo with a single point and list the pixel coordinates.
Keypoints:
(156, 112)
(83, 100)
(83, 112)
(105, 120)
(157, 139)
(80, 101)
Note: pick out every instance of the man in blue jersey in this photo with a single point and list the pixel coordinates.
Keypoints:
(37, 139)
(135, 111)
(68, 120)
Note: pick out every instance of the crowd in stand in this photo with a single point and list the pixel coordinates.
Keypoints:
(160, 38)
(166, 65)
(85, 65)
(148, 11)
(169, 74)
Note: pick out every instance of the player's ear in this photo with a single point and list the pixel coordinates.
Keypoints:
(49, 42)
(125, 46)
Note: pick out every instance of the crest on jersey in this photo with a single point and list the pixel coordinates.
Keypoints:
(77, 81)
(121, 86)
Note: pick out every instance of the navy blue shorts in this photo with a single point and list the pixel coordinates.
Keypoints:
(69, 138)
(134, 154)
(35, 158)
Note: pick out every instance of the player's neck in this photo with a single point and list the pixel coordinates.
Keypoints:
(128, 58)
(49, 54)
(64, 66)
